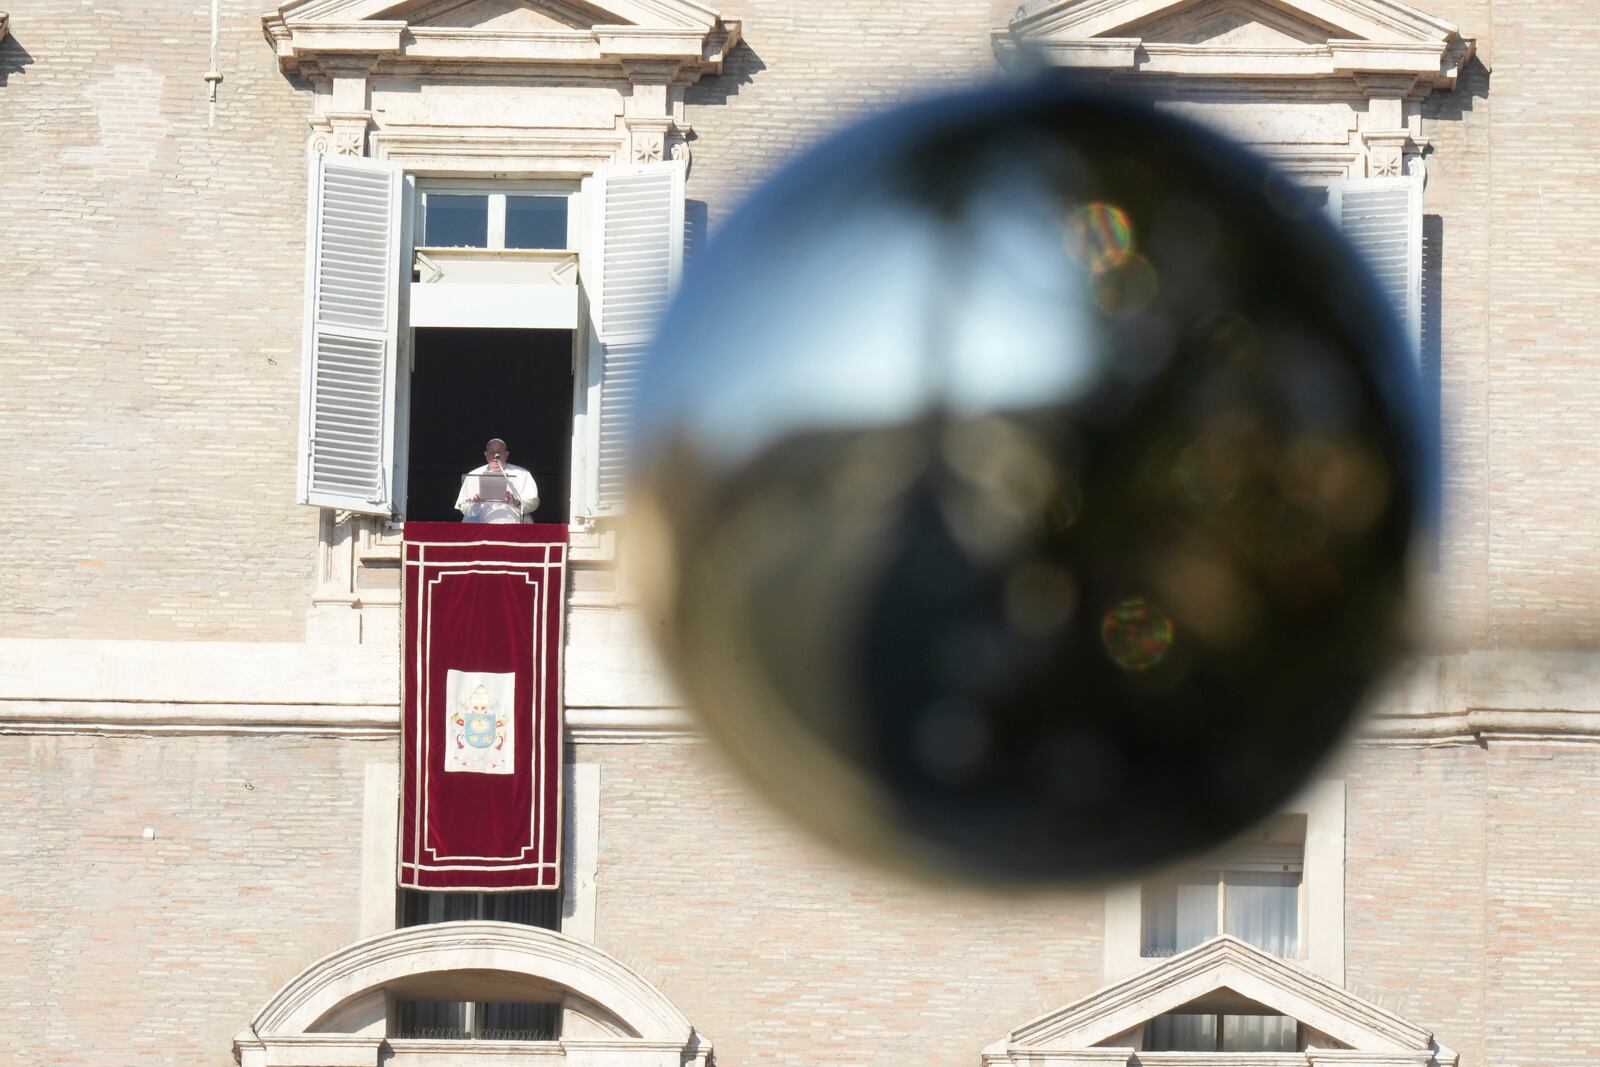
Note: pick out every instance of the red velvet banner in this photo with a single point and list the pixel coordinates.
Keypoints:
(480, 750)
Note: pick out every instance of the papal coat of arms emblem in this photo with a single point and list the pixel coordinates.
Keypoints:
(480, 725)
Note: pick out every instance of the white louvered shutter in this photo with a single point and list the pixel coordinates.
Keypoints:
(1382, 217)
(638, 236)
(349, 366)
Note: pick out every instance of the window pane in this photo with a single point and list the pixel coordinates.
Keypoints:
(516, 1022)
(1160, 918)
(437, 1020)
(1260, 1033)
(452, 220)
(1264, 909)
(1179, 913)
(1181, 1033)
(533, 907)
(418, 907)
(1197, 913)
(536, 222)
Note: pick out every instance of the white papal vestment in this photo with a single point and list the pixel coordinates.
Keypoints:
(521, 483)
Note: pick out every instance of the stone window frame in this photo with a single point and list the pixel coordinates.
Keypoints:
(1404, 56)
(336, 1011)
(656, 49)
(1322, 889)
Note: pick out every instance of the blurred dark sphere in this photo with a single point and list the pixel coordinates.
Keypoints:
(1025, 483)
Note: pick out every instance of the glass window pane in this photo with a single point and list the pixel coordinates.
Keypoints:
(453, 220)
(516, 1022)
(1264, 909)
(1181, 1033)
(536, 222)
(533, 907)
(1179, 912)
(1159, 918)
(436, 1020)
(1197, 912)
(1260, 1033)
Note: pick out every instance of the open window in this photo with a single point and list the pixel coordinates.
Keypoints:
(1252, 892)
(1221, 1002)
(468, 385)
(1279, 888)
(440, 313)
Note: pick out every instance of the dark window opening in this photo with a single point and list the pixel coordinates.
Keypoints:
(471, 385)
(533, 907)
(447, 1020)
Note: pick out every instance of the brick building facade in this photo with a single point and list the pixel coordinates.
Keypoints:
(198, 686)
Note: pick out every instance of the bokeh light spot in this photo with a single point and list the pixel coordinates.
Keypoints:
(1100, 236)
(1127, 288)
(1136, 634)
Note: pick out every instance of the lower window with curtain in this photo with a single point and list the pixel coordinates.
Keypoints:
(447, 1020)
(471, 1020)
(1260, 907)
(1209, 1032)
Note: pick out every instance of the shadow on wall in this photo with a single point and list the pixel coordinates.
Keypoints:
(13, 58)
(738, 70)
(1431, 357)
(1472, 85)
(696, 228)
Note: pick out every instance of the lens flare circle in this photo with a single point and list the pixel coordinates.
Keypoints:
(1136, 634)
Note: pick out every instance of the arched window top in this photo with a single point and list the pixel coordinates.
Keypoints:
(338, 1004)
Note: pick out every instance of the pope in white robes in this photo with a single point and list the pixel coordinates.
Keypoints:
(522, 493)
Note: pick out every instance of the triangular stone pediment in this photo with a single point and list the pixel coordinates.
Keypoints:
(489, 14)
(1225, 976)
(501, 15)
(1234, 22)
(1241, 38)
(681, 38)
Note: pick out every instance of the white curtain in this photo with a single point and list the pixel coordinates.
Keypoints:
(1181, 1033)
(1259, 1033)
(1264, 909)
(1197, 913)
(1179, 913)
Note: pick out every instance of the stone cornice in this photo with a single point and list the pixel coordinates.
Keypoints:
(614, 692)
(617, 693)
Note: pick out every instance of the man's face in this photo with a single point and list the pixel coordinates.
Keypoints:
(496, 453)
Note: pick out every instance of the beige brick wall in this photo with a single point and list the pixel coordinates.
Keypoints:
(117, 950)
(1473, 896)
(783, 954)
(1516, 180)
(805, 69)
(149, 327)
